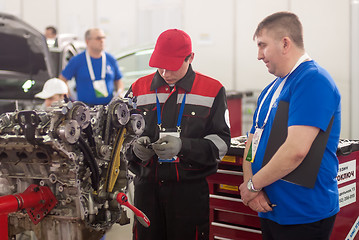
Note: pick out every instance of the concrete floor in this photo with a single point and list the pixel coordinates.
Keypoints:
(118, 232)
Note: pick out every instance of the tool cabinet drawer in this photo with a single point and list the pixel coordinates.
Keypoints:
(225, 181)
(224, 216)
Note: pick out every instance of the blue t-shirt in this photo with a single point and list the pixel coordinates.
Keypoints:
(77, 67)
(313, 99)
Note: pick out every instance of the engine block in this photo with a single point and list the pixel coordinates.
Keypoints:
(79, 153)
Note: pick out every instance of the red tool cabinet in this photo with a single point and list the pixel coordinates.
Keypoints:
(346, 224)
(230, 219)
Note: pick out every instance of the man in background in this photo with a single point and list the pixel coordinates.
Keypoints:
(51, 36)
(50, 32)
(96, 72)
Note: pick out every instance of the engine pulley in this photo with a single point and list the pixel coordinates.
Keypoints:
(80, 112)
(122, 114)
(136, 124)
(69, 131)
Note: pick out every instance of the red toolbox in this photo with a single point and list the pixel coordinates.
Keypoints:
(346, 224)
(230, 219)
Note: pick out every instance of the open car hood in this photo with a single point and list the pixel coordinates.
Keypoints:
(25, 62)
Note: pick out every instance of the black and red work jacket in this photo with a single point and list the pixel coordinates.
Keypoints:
(204, 132)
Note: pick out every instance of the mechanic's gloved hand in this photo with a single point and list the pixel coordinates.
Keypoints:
(141, 150)
(167, 147)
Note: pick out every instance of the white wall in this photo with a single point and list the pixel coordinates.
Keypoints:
(354, 84)
(221, 32)
(223, 41)
(327, 40)
(210, 25)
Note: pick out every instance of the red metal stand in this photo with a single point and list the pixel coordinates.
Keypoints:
(37, 201)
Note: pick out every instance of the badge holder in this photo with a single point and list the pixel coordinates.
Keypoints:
(175, 159)
(100, 88)
(255, 142)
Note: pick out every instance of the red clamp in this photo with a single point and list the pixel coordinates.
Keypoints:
(37, 201)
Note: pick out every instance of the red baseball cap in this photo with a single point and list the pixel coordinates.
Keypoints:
(172, 47)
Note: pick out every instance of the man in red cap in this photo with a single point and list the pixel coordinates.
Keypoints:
(186, 135)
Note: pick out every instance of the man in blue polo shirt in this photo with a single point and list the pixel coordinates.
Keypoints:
(288, 210)
(96, 72)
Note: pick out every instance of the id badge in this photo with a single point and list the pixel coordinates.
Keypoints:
(175, 159)
(255, 141)
(100, 88)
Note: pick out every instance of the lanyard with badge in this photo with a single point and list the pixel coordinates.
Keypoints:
(259, 130)
(178, 125)
(99, 86)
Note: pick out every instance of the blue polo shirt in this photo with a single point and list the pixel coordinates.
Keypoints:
(313, 99)
(77, 67)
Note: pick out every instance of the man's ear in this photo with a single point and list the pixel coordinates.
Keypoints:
(191, 58)
(287, 43)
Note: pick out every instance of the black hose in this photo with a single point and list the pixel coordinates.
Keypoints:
(89, 134)
(90, 161)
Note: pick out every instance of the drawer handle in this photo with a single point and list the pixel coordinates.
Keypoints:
(221, 238)
(230, 172)
(225, 198)
(236, 228)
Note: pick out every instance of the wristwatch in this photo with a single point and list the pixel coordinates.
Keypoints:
(251, 187)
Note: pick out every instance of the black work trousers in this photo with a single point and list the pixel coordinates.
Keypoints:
(176, 210)
(320, 230)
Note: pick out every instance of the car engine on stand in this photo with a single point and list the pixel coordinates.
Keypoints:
(79, 154)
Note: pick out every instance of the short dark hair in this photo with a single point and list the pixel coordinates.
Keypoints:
(283, 24)
(52, 29)
(186, 59)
